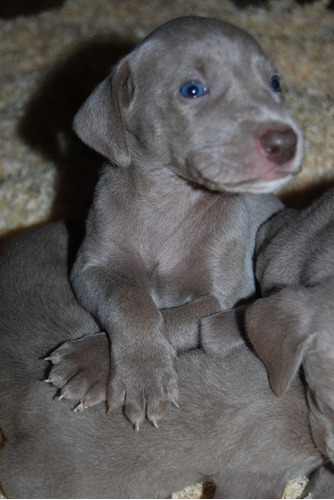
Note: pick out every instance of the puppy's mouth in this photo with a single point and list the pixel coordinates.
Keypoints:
(262, 161)
(264, 183)
(251, 186)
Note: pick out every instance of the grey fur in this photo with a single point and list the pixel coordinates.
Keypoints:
(230, 429)
(295, 257)
(168, 225)
(293, 324)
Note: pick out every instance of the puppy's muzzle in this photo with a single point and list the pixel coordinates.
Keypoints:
(279, 145)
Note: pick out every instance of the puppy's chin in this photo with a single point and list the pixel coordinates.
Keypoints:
(255, 186)
(215, 177)
(260, 186)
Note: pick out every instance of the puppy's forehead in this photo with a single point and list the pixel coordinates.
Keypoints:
(188, 39)
(195, 28)
(204, 31)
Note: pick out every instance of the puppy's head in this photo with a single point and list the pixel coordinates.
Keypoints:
(295, 247)
(282, 246)
(295, 327)
(198, 97)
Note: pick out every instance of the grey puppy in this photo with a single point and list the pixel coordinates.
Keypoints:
(293, 324)
(230, 429)
(187, 120)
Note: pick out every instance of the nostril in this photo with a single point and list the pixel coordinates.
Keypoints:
(279, 146)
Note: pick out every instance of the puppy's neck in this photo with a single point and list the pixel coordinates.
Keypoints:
(164, 188)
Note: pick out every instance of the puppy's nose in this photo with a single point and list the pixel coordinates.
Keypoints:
(279, 146)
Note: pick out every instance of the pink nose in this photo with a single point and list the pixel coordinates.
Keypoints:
(279, 146)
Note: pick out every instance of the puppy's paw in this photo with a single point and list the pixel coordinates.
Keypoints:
(80, 369)
(144, 383)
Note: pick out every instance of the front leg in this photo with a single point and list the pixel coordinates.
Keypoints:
(182, 324)
(80, 368)
(142, 375)
(223, 332)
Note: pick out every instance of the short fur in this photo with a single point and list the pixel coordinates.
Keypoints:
(230, 429)
(168, 225)
(293, 324)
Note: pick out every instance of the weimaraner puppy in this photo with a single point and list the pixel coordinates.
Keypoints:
(230, 430)
(293, 324)
(189, 122)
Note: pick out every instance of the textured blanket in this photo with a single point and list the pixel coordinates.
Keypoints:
(51, 59)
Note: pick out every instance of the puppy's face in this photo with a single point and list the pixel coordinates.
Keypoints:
(207, 102)
(198, 97)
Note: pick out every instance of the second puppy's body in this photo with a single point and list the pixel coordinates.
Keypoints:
(230, 429)
(293, 324)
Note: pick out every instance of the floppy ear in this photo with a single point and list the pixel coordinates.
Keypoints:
(100, 123)
(279, 328)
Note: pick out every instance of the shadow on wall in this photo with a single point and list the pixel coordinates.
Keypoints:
(14, 8)
(306, 195)
(47, 123)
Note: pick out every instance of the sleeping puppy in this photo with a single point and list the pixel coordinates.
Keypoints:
(230, 430)
(293, 324)
(187, 121)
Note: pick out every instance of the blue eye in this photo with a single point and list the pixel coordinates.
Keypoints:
(275, 83)
(191, 90)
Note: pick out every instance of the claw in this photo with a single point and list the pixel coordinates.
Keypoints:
(175, 403)
(49, 358)
(155, 423)
(81, 406)
(58, 397)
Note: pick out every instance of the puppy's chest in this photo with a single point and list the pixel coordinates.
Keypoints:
(184, 255)
(169, 253)
(177, 265)
(175, 282)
